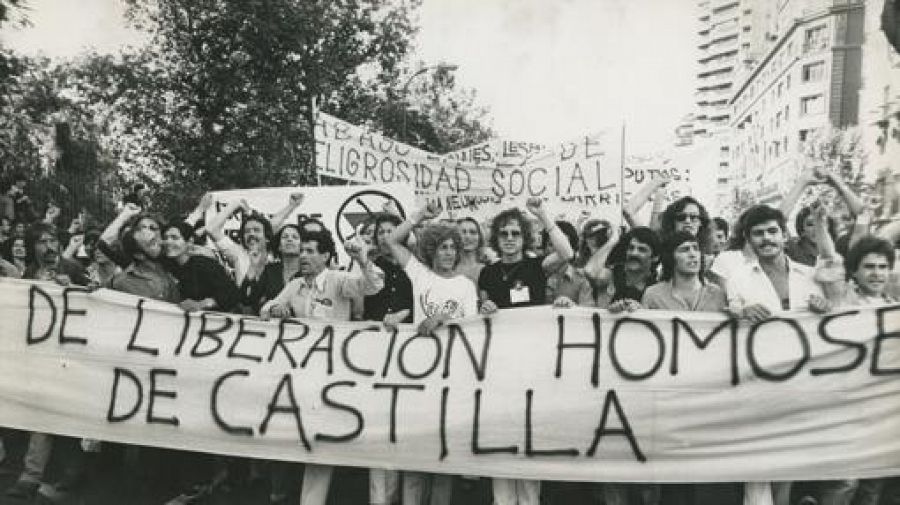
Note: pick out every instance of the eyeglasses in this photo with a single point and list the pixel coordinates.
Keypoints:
(683, 216)
(510, 233)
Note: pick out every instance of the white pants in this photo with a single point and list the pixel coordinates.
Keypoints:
(316, 479)
(384, 486)
(516, 492)
(767, 493)
(416, 486)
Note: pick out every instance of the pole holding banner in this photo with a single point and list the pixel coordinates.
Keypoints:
(315, 117)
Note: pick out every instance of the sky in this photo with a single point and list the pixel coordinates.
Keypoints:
(548, 70)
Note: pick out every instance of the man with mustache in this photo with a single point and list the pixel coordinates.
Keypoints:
(46, 264)
(249, 259)
(758, 286)
(631, 270)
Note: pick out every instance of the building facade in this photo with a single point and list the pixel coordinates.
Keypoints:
(801, 76)
(719, 34)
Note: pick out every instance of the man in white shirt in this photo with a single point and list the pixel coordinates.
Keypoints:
(761, 284)
(318, 292)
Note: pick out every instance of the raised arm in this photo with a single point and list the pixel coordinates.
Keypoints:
(829, 264)
(397, 239)
(216, 225)
(111, 234)
(595, 268)
(643, 195)
(824, 242)
(808, 176)
(294, 201)
(854, 203)
(200, 210)
(562, 249)
(372, 279)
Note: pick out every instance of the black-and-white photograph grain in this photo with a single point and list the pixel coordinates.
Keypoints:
(450, 252)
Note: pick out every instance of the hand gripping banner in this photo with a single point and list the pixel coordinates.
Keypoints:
(534, 393)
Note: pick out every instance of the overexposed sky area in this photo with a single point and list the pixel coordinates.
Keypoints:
(553, 69)
(548, 70)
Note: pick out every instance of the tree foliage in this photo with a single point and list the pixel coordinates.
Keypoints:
(220, 97)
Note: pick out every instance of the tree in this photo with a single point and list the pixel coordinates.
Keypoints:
(220, 97)
(434, 115)
(54, 140)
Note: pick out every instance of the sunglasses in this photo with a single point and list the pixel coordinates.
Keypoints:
(510, 233)
(683, 216)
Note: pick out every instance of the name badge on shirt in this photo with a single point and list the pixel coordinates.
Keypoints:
(322, 308)
(519, 294)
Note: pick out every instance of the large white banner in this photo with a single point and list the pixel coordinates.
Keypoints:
(581, 174)
(530, 393)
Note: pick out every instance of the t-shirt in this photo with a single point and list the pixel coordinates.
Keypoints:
(454, 297)
(397, 294)
(519, 284)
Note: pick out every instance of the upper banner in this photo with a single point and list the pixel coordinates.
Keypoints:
(582, 174)
(529, 393)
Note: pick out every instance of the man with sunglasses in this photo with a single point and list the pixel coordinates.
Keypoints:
(519, 281)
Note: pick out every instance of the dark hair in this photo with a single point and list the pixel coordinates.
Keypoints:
(868, 244)
(643, 235)
(185, 230)
(130, 246)
(673, 209)
(506, 217)
(759, 214)
(33, 235)
(12, 242)
(474, 221)
(592, 228)
(324, 241)
(431, 237)
(312, 220)
(667, 256)
(259, 218)
(380, 219)
(276, 243)
(721, 224)
(801, 219)
(568, 230)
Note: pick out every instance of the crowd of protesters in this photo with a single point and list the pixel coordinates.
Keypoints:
(425, 270)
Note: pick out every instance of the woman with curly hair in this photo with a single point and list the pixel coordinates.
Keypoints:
(439, 294)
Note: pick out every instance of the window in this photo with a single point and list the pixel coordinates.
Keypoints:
(815, 39)
(787, 112)
(813, 72)
(788, 82)
(804, 134)
(812, 105)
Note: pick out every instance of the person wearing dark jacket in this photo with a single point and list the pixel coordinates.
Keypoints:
(202, 282)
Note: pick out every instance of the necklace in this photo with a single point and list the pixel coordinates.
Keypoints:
(505, 273)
